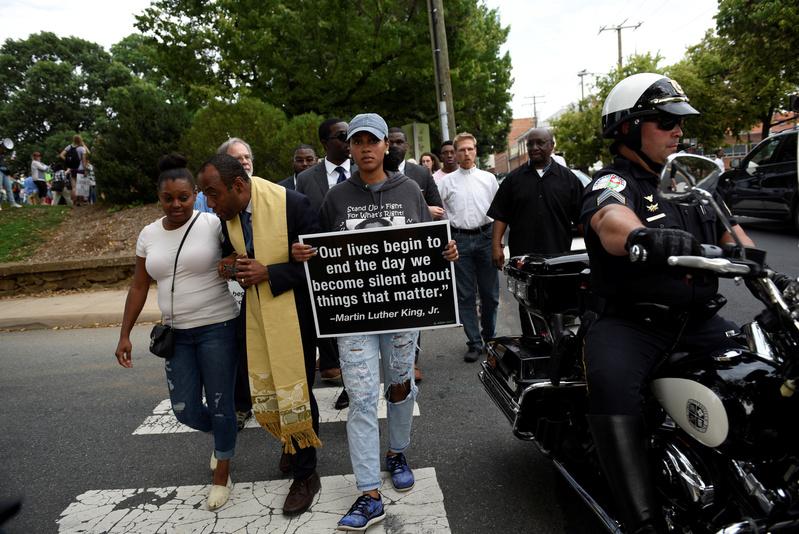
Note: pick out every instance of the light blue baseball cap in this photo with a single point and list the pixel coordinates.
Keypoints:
(368, 122)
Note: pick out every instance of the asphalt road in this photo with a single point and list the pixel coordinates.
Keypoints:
(69, 412)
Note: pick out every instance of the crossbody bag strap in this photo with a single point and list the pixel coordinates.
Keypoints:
(175, 270)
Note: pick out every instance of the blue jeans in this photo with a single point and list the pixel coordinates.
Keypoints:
(475, 270)
(360, 368)
(205, 358)
(5, 183)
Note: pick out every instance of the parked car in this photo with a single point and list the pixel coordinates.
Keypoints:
(765, 182)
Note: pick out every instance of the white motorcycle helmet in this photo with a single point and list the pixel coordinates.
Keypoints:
(642, 95)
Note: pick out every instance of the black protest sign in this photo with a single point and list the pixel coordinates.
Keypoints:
(378, 280)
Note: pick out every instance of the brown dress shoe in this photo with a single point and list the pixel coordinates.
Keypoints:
(332, 376)
(285, 463)
(301, 494)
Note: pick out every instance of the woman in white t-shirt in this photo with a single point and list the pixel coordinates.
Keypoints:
(202, 318)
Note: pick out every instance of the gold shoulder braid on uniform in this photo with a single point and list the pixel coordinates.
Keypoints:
(280, 398)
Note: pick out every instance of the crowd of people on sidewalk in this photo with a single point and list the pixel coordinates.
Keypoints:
(69, 180)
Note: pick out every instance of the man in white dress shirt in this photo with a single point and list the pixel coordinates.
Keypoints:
(467, 194)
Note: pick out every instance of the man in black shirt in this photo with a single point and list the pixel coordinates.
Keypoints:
(539, 201)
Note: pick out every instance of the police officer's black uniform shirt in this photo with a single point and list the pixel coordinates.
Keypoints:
(621, 281)
(538, 209)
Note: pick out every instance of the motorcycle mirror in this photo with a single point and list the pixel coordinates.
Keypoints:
(683, 173)
(691, 179)
(8, 144)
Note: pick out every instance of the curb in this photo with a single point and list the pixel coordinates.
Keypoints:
(77, 310)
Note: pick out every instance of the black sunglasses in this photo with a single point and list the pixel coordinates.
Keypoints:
(666, 122)
(341, 136)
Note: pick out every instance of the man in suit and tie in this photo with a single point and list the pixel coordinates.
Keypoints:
(314, 183)
(304, 157)
(334, 168)
(262, 220)
(395, 161)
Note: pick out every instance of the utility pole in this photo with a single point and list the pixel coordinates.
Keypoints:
(582, 74)
(535, 100)
(618, 29)
(438, 39)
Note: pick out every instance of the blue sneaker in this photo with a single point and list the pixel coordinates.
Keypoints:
(401, 474)
(364, 513)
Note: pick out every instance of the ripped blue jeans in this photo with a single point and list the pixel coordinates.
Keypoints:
(361, 357)
(205, 358)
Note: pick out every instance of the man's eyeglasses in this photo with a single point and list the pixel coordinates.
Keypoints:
(666, 122)
(341, 136)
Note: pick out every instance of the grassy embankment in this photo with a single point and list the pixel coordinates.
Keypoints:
(23, 230)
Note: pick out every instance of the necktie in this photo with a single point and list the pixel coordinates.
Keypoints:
(246, 228)
(341, 176)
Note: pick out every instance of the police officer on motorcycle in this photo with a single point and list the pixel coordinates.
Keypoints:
(649, 309)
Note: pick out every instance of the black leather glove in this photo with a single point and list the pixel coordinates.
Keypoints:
(660, 243)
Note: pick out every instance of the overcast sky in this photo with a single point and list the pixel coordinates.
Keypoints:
(549, 41)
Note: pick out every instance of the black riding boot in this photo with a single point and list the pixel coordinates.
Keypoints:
(621, 444)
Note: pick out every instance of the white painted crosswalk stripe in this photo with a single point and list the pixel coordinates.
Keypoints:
(253, 507)
(163, 421)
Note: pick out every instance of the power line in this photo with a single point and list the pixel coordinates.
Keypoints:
(535, 100)
(618, 28)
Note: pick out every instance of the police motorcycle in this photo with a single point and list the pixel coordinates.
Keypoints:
(724, 438)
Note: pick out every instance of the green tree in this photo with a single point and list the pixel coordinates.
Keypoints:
(300, 129)
(761, 42)
(703, 75)
(250, 119)
(336, 58)
(50, 84)
(138, 54)
(140, 124)
(577, 133)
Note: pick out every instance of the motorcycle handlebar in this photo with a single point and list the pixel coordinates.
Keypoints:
(711, 259)
(639, 254)
(717, 265)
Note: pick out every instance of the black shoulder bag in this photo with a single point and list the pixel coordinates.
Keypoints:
(162, 337)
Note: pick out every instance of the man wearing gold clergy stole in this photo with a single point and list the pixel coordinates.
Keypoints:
(262, 220)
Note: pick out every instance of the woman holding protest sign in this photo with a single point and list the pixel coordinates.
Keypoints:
(180, 251)
(373, 196)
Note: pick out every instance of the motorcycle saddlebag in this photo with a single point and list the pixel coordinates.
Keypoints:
(549, 284)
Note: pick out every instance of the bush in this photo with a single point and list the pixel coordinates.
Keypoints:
(264, 127)
(141, 124)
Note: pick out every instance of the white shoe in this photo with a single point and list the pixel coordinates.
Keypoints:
(15, 205)
(212, 463)
(219, 495)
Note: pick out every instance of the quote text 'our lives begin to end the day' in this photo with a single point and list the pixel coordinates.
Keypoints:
(382, 280)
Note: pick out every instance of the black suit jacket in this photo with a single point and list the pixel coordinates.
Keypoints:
(288, 183)
(422, 176)
(300, 219)
(312, 183)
